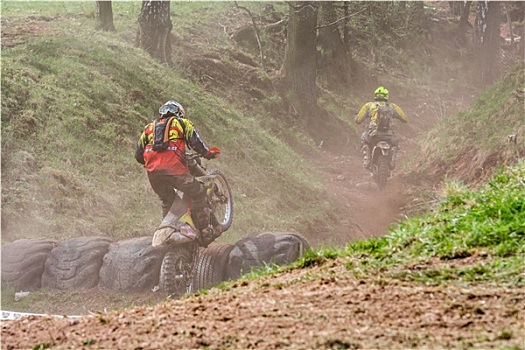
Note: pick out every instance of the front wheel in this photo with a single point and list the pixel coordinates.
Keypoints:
(221, 200)
(176, 270)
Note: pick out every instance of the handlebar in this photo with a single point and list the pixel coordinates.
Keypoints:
(193, 155)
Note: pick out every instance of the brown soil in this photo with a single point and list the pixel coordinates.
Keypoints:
(318, 308)
(369, 211)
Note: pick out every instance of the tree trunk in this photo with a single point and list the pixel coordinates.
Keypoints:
(488, 39)
(334, 57)
(300, 64)
(300, 75)
(521, 47)
(465, 12)
(105, 16)
(509, 23)
(463, 25)
(155, 28)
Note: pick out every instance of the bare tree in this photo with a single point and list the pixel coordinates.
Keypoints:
(155, 28)
(256, 31)
(300, 77)
(105, 16)
(463, 24)
(465, 12)
(521, 46)
(488, 39)
(300, 62)
(334, 58)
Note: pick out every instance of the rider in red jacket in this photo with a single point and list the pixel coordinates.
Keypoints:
(161, 149)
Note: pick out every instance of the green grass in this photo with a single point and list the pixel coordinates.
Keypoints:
(472, 236)
(484, 225)
(480, 133)
(24, 8)
(74, 102)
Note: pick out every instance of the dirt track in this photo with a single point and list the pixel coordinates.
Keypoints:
(320, 308)
(293, 311)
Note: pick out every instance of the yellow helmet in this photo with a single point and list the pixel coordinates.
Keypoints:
(381, 93)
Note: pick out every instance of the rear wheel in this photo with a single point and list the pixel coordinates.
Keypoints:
(176, 270)
(383, 171)
(221, 201)
(211, 265)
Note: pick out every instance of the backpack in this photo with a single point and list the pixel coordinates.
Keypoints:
(161, 134)
(384, 117)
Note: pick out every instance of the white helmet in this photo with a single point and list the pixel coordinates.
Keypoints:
(172, 108)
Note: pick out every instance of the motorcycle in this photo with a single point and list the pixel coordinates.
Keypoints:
(179, 231)
(381, 160)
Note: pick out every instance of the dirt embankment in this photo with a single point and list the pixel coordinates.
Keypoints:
(320, 308)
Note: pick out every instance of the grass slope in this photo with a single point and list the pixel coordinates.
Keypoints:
(74, 101)
(73, 105)
(472, 236)
(473, 142)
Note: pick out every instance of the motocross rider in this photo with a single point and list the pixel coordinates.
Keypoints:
(372, 136)
(161, 149)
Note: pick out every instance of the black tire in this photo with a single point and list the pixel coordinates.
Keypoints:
(304, 245)
(211, 264)
(221, 202)
(131, 265)
(251, 253)
(75, 263)
(176, 270)
(23, 263)
(383, 172)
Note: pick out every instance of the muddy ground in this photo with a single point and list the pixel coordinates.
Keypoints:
(319, 308)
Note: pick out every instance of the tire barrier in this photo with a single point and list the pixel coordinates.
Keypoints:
(211, 266)
(75, 263)
(279, 248)
(133, 265)
(23, 262)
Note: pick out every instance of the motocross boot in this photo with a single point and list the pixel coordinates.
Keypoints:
(201, 213)
(366, 156)
(208, 233)
(393, 158)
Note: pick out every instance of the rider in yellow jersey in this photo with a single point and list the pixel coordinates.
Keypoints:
(379, 131)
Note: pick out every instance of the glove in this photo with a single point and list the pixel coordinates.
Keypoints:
(213, 152)
(210, 155)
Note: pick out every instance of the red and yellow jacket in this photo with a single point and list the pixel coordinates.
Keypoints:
(171, 161)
